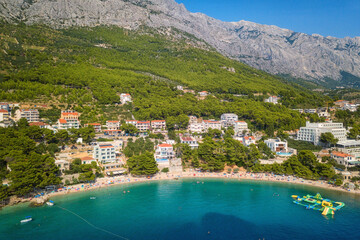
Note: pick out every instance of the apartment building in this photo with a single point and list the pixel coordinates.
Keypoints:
(344, 158)
(240, 127)
(96, 126)
(125, 98)
(143, 126)
(211, 124)
(277, 145)
(104, 153)
(31, 115)
(4, 115)
(40, 124)
(68, 119)
(158, 125)
(312, 131)
(272, 99)
(113, 125)
(248, 140)
(228, 119)
(190, 141)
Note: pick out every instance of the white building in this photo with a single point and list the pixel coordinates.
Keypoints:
(229, 119)
(5, 106)
(68, 119)
(211, 124)
(240, 127)
(40, 125)
(323, 112)
(62, 164)
(113, 125)
(276, 145)
(189, 141)
(164, 153)
(62, 124)
(143, 126)
(96, 126)
(132, 122)
(344, 158)
(351, 147)
(31, 115)
(272, 99)
(196, 127)
(350, 106)
(310, 110)
(4, 115)
(312, 131)
(158, 125)
(193, 119)
(104, 153)
(125, 98)
(248, 140)
(203, 93)
(87, 160)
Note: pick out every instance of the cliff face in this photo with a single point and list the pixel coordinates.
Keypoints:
(269, 48)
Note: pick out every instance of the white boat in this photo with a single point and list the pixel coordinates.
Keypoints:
(50, 203)
(92, 198)
(27, 219)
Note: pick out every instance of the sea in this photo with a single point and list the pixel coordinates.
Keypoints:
(185, 209)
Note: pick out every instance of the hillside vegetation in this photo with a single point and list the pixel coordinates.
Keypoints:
(87, 67)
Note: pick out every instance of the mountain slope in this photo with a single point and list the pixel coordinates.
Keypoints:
(87, 68)
(269, 48)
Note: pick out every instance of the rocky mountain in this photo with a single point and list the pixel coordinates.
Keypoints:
(269, 48)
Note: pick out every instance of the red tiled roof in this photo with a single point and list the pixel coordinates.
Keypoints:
(158, 121)
(27, 110)
(94, 124)
(38, 124)
(62, 120)
(250, 137)
(3, 111)
(143, 122)
(164, 145)
(210, 121)
(112, 121)
(70, 113)
(340, 154)
(106, 146)
(86, 158)
(187, 138)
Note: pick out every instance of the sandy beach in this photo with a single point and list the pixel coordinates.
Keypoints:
(107, 182)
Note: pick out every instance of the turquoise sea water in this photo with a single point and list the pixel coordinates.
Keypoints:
(185, 209)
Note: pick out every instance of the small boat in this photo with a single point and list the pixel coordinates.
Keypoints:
(27, 219)
(50, 203)
(92, 198)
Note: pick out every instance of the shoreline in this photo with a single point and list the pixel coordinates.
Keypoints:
(122, 180)
(107, 182)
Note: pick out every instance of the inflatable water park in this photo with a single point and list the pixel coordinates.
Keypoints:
(326, 206)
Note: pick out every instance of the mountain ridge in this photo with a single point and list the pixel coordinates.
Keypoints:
(266, 47)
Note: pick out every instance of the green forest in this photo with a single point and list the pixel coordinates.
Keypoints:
(87, 68)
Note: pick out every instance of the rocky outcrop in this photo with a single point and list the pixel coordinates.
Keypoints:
(269, 48)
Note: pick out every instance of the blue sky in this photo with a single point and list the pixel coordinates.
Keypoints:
(337, 18)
